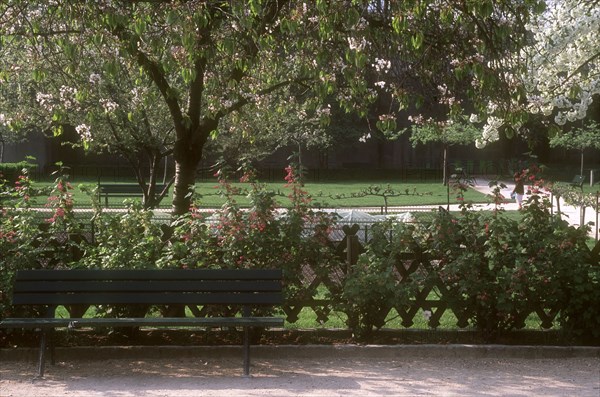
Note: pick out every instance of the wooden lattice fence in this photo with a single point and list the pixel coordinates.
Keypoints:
(432, 297)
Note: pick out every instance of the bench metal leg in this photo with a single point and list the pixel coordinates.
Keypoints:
(246, 352)
(42, 354)
(52, 347)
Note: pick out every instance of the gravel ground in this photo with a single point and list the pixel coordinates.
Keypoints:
(456, 370)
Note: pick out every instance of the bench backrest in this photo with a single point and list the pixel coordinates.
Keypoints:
(153, 287)
(113, 188)
(578, 180)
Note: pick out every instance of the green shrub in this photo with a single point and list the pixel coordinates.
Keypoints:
(11, 171)
(492, 271)
(373, 286)
(30, 240)
(497, 270)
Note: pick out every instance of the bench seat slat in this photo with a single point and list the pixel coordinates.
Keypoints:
(143, 275)
(147, 286)
(142, 322)
(266, 298)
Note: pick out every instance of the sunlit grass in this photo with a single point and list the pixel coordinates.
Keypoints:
(324, 194)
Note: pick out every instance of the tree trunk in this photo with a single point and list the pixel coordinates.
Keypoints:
(185, 177)
(151, 195)
(445, 167)
(187, 154)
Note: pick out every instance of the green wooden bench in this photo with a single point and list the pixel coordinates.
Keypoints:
(578, 181)
(243, 288)
(106, 190)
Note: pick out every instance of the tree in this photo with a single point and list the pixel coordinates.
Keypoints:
(563, 62)
(280, 121)
(587, 137)
(203, 61)
(454, 131)
(557, 72)
(470, 49)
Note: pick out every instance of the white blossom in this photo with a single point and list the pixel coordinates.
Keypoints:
(490, 132)
(382, 65)
(426, 314)
(67, 96)
(108, 105)
(364, 138)
(563, 66)
(95, 78)
(357, 44)
(4, 121)
(84, 132)
(46, 101)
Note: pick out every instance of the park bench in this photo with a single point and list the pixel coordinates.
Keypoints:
(106, 190)
(245, 289)
(578, 181)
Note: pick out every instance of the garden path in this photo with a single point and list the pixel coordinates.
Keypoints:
(313, 370)
(569, 213)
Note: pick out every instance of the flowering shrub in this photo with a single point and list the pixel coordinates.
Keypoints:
(491, 270)
(497, 270)
(125, 241)
(260, 236)
(371, 287)
(27, 241)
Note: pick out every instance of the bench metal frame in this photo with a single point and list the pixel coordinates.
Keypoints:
(578, 181)
(107, 190)
(246, 288)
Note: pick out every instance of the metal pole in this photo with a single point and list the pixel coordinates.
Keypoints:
(246, 313)
(42, 355)
(597, 208)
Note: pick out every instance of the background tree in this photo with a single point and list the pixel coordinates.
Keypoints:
(563, 62)
(587, 137)
(470, 49)
(556, 73)
(278, 121)
(204, 60)
(450, 132)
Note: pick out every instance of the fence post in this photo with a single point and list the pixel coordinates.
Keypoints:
(352, 245)
(351, 250)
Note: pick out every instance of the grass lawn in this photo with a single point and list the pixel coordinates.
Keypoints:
(325, 194)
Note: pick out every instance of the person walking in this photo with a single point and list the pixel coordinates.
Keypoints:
(519, 189)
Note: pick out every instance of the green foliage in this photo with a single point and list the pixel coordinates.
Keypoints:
(371, 287)
(10, 171)
(587, 137)
(496, 269)
(28, 240)
(160, 78)
(256, 237)
(455, 131)
(125, 241)
(579, 138)
(491, 270)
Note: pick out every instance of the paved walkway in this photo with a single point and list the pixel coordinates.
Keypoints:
(568, 212)
(285, 371)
